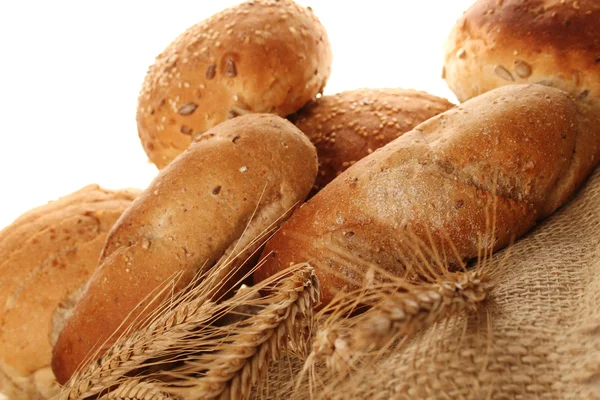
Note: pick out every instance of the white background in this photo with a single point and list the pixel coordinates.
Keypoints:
(70, 73)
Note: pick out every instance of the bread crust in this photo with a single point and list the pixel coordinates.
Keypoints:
(522, 149)
(551, 42)
(261, 56)
(348, 126)
(244, 174)
(48, 253)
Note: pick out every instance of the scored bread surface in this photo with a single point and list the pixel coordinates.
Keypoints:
(538, 143)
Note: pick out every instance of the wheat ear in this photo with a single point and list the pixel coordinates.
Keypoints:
(244, 357)
(135, 389)
(395, 314)
(133, 351)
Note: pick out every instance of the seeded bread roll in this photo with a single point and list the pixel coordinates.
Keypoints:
(348, 126)
(47, 256)
(262, 56)
(244, 174)
(551, 42)
(539, 143)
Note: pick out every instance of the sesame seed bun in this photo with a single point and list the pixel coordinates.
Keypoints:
(261, 56)
(551, 42)
(348, 126)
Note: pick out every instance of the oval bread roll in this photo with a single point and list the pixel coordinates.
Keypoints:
(348, 126)
(261, 56)
(551, 42)
(47, 256)
(242, 175)
(537, 142)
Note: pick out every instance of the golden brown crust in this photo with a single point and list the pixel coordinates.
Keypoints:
(260, 56)
(348, 126)
(439, 178)
(243, 174)
(47, 254)
(553, 42)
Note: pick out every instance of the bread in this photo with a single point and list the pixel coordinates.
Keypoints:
(348, 126)
(551, 42)
(537, 142)
(47, 256)
(244, 174)
(262, 56)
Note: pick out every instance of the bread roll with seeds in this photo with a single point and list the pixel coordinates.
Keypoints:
(551, 42)
(47, 256)
(242, 175)
(348, 126)
(531, 145)
(262, 56)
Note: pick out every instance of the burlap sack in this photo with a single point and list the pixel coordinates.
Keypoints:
(539, 336)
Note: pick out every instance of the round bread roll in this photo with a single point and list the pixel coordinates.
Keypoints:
(233, 183)
(47, 256)
(262, 56)
(348, 126)
(518, 151)
(551, 42)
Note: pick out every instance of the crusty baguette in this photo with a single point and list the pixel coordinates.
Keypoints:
(47, 256)
(348, 126)
(260, 56)
(244, 174)
(552, 42)
(537, 142)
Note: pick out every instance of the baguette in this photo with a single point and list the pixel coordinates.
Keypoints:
(524, 147)
(241, 176)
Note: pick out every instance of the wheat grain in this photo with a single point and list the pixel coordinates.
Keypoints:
(133, 351)
(393, 314)
(135, 389)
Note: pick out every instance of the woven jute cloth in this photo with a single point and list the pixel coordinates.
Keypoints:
(537, 337)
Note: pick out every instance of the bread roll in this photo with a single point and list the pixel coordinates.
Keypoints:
(552, 42)
(47, 256)
(244, 174)
(539, 143)
(261, 56)
(348, 126)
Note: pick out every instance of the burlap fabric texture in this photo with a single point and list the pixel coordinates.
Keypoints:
(538, 336)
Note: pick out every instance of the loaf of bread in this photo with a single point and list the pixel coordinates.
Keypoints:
(348, 126)
(48, 254)
(519, 151)
(233, 183)
(551, 42)
(262, 56)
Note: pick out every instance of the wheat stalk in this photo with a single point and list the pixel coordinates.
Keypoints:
(243, 359)
(393, 314)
